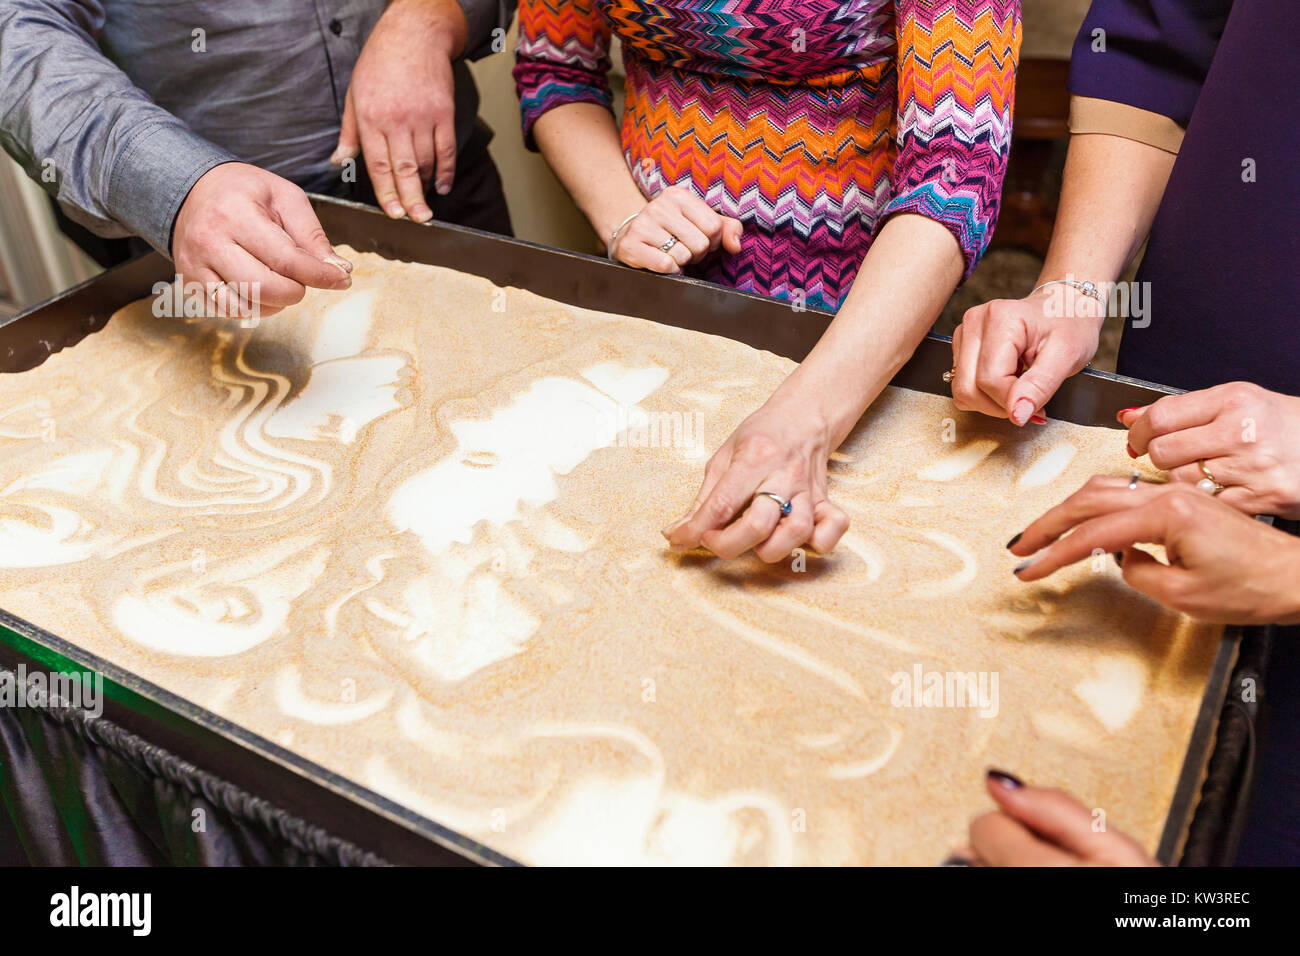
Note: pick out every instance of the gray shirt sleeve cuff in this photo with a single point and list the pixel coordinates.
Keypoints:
(482, 17)
(153, 175)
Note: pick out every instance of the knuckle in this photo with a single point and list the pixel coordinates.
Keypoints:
(756, 448)
(1238, 394)
(721, 508)
(1159, 415)
(964, 394)
(1181, 502)
(1158, 451)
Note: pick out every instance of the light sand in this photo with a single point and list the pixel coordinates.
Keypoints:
(412, 533)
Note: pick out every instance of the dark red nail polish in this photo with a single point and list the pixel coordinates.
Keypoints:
(1131, 452)
(1008, 780)
(1119, 416)
(1012, 543)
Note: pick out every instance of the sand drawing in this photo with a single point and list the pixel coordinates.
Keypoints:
(406, 532)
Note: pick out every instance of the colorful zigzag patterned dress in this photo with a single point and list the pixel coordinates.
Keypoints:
(811, 121)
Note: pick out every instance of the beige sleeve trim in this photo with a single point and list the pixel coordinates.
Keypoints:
(1091, 115)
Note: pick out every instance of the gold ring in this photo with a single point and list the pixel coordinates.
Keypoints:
(949, 375)
(1209, 484)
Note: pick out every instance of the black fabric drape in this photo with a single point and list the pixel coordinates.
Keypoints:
(79, 790)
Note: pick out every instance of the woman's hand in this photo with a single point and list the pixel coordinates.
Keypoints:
(1248, 436)
(679, 214)
(1037, 826)
(1223, 565)
(1010, 356)
(777, 449)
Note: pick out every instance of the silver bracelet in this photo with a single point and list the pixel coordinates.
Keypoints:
(1086, 288)
(613, 239)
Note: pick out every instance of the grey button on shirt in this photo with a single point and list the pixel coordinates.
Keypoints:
(119, 106)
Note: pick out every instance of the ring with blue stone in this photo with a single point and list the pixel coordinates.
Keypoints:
(783, 502)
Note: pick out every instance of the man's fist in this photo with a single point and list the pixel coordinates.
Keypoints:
(242, 228)
(400, 109)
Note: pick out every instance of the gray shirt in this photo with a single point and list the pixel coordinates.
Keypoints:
(117, 107)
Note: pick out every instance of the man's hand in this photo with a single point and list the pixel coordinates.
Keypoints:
(241, 224)
(1011, 356)
(400, 110)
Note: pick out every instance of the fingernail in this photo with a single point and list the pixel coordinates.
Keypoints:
(1131, 452)
(443, 188)
(1119, 415)
(1014, 541)
(395, 210)
(1119, 558)
(956, 861)
(336, 157)
(1022, 411)
(421, 213)
(336, 260)
(1038, 420)
(1008, 780)
(1023, 565)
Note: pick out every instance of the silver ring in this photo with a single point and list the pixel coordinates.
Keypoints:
(672, 241)
(783, 502)
(1134, 482)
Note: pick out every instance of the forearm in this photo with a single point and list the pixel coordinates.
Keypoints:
(906, 278)
(581, 143)
(1109, 197)
(117, 163)
(444, 22)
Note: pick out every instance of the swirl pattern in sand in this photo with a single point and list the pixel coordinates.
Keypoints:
(412, 533)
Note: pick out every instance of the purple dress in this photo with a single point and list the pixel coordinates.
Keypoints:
(1222, 261)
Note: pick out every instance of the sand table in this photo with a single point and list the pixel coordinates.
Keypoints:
(411, 532)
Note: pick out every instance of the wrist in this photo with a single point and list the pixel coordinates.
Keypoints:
(442, 22)
(1072, 298)
(820, 423)
(616, 216)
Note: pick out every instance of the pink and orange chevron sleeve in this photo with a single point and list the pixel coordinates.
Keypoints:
(956, 89)
(562, 57)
